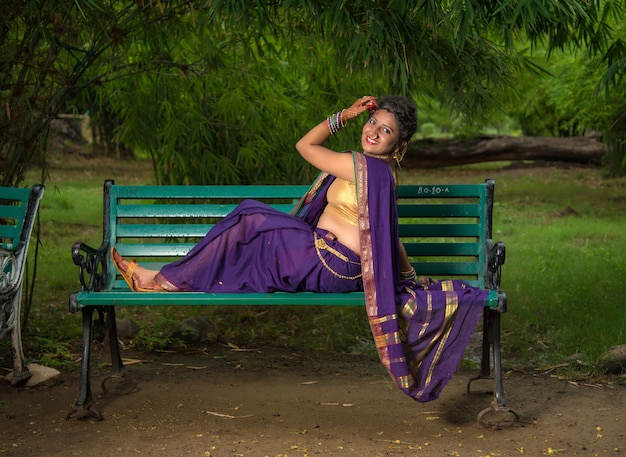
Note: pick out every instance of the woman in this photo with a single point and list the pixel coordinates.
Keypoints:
(341, 237)
(318, 252)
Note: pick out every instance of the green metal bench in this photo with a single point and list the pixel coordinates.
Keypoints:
(18, 208)
(446, 230)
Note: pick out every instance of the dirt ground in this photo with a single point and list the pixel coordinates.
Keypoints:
(216, 401)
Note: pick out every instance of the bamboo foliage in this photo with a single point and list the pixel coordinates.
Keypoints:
(218, 91)
(46, 48)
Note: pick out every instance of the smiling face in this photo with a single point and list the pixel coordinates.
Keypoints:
(380, 134)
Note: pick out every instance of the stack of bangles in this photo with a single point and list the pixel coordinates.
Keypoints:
(408, 275)
(335, 122)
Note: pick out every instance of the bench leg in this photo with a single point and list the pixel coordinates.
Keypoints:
(497, 361)
(84, 401)
(21, 374)
(485, 360)
(491, 344)
(117, 366)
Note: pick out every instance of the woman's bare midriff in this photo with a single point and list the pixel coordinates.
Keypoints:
(346, 233)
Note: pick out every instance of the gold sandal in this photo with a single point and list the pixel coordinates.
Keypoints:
(129, 274)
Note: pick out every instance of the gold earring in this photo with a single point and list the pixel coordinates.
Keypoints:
(399, 153)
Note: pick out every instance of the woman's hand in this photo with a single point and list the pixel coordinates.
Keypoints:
(311, 146)
(365, 103)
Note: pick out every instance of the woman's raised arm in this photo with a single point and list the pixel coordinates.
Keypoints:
(311, 145)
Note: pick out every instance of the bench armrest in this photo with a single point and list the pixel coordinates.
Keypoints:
(496, 254)
(495, 260)
(93, 271)
(11, 261)
(93, 264)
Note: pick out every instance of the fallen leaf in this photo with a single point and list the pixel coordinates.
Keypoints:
(227, 416)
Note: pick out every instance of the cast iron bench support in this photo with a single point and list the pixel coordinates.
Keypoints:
(18, 209)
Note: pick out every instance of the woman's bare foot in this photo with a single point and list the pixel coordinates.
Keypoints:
(138, 278)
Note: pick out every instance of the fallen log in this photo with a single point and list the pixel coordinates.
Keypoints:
(435, 153)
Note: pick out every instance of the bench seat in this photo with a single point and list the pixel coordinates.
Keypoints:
(124, 297)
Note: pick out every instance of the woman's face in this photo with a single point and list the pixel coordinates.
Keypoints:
(380, 134)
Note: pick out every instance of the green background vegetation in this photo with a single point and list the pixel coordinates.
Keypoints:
(563, 228)
(220, 91)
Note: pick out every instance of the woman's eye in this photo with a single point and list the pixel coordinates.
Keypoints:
(387, 131)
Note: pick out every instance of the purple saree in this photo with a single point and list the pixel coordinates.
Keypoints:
(420, 333)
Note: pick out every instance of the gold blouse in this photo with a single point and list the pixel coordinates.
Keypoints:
(341, 198)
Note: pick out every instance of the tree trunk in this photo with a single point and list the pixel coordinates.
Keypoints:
(432, 153)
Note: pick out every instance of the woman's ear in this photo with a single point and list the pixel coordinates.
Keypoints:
(400, 150)
(401, 144)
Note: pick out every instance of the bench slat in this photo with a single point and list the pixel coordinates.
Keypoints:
(142, 299)
(442, 249)
(439, 210)
(11, 233)
(446, 270)
(439, 230)
(149, 250)
(203, 192)
(125, 298)
(175, 210)
(162, 230)
(15, 193)
(12, 211)
(199, 230)
(13, 208)
(442, 191)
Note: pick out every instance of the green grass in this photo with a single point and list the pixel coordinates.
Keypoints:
(565, 257)
(565, 264)
(566, 260)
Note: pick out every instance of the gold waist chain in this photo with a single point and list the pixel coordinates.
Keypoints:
(320, 243)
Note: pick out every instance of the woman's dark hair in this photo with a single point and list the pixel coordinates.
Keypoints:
(405, 112)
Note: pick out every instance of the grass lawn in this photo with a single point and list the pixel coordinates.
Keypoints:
(566, 259)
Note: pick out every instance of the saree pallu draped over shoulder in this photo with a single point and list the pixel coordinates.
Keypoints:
(420, 332)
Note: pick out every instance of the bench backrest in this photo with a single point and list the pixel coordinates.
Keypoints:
(18, 207)
(444, 227)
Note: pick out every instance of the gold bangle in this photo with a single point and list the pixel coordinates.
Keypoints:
(409, 274)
